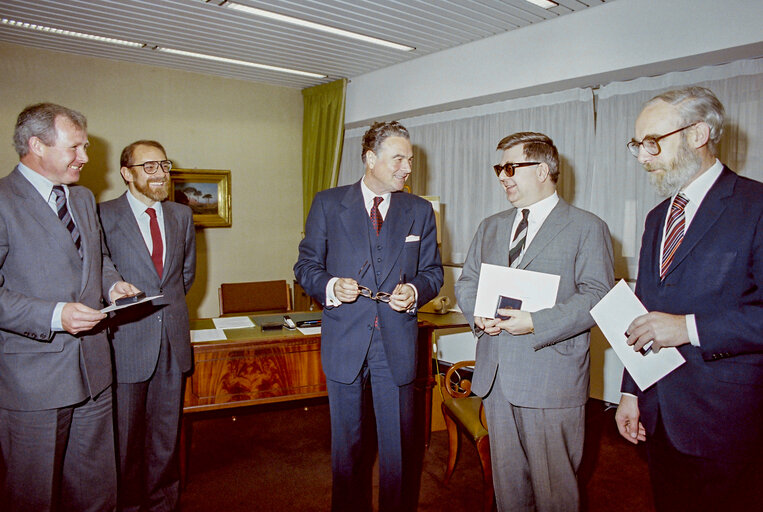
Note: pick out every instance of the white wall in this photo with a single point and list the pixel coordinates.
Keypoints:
(619, 40)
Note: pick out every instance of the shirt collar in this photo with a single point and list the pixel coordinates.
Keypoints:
(139, 208)
(696, 191)
(368, 196)
(42, 184)
(540, 210)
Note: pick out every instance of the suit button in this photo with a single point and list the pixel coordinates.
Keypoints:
(378, 247)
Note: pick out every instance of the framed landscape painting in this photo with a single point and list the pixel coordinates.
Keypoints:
(206, 192)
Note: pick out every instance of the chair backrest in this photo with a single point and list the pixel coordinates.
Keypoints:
(254, 297)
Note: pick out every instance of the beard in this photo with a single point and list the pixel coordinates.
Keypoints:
(668, 179)
(157, 194)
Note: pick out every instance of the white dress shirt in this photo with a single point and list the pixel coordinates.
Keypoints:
(539, 211)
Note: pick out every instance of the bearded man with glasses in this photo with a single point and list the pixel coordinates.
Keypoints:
(532, 368)
(700, 277)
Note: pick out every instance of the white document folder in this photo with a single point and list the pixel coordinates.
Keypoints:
(535, 290)
(614, 314)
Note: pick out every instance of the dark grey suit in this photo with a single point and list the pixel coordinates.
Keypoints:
(152, 350)
(47, 371)
(548, 369)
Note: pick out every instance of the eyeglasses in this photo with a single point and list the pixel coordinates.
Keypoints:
(650, 144)
(153, 165)
(511, 168)
(366, 292)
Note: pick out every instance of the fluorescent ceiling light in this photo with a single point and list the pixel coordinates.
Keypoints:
(546, 4)
(61, 32)
(111, 40)
(240, 62)
(316, 26)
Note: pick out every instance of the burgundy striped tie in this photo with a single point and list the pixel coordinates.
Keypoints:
(674, 232)
(376, 218)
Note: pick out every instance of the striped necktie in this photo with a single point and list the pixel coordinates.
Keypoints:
(157, 251)
(66, 218)
(518, 242)
(376, 218)
(674, 232)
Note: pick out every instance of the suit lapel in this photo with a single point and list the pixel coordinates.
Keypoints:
(709, 212)
(172, 244)
(129, 228)
(397, 225)
(354, 219)
(551, 227)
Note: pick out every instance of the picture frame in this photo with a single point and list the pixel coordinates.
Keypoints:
(206, 192)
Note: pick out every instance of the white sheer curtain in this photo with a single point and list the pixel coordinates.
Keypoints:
(620, 192)
(454, 153)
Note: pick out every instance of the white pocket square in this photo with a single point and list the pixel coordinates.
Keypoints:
(412, 238)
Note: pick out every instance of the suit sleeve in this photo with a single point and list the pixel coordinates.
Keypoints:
(594, 277)
(189, 261)
(429, 276)
(310, 269)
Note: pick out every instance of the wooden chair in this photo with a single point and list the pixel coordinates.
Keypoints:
(254, 297)
(465, 414)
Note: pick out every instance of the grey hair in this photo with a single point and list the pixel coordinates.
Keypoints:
(40, 121)
(697, 104)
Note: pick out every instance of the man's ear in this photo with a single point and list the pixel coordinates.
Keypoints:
(36, 146)
(700, 136)
(542, 172)
(126, 174)
(370, 158)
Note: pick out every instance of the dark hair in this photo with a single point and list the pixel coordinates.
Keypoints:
(377, 134)
(696, 104)
(536, 146)
(39, 121)
(127, 153)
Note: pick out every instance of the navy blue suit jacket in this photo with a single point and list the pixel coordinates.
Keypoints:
(337, 243)
(712, 404)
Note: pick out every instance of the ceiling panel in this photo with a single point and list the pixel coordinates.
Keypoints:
(207, 27)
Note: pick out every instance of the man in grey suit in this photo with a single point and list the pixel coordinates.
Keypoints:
(56, 427)
(532, 368)
(154, 243)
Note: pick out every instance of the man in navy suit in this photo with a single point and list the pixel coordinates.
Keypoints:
(154, 242)
(370, 257)
(701, 279)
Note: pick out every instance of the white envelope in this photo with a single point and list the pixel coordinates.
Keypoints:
(412, 238)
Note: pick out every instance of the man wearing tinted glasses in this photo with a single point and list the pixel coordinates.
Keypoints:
(154, 242)
(532, 368)
(370, 257)
(700, 277)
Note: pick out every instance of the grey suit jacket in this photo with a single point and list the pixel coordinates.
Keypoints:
(550, 368)
(39, 267)
(136, 333)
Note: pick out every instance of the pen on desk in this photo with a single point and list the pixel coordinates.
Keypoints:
(308, 323)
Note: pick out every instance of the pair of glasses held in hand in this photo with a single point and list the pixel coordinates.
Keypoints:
(378, 296)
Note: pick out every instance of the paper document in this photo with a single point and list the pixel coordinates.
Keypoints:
(233, 322)
(515, 288)
(614, 314)
(309, 331)
(141, 301)
(207, 335)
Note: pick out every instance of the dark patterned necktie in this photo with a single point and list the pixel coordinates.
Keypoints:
(518, 242)
(157, 251)
(376, 218)
(66, 218)
(674, 232)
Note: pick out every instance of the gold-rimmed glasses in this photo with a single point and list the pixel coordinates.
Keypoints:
(368, 293)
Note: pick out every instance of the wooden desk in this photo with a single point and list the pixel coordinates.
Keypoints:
(253, 366)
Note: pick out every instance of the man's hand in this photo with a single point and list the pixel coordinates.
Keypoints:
(519, 322)
(403, 297)
(627, 419)
(76, 317)
(488, 325)
(346, 289)
(662, 329)
(122, 289)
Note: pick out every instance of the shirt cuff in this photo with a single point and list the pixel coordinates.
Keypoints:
(691, 327)
(331, 299)
(55, 323)
(628, 394)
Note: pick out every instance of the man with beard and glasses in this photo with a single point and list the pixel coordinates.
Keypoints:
(701, 279)
(154, 242)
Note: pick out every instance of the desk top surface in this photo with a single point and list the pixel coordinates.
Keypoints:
(256, 333)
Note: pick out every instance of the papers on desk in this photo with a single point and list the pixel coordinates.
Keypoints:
(613, 314)
(207, 335)
(233, 322)
(114, 307)
(309, 331)
(530, 290)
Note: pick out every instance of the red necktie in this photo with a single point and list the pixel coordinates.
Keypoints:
(376, 218)
(156, 238)
(674, 233)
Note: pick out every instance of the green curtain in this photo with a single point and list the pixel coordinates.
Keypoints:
(322, 138)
